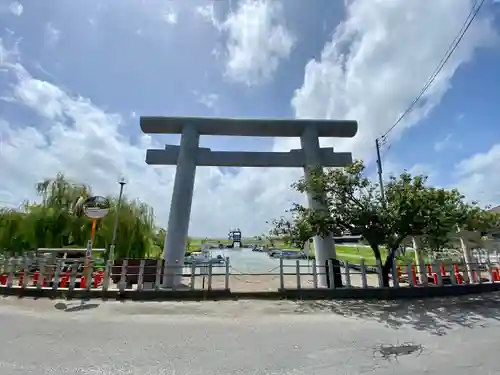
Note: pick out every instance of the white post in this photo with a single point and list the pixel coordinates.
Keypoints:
(158, 274)
(315, 275)
(182, 198)
(331, 274)
(467, 257)
(297, 271)
(193, 276)
(490, 271)
(228, 270)
(419, 261)
(282, 276)
(26, 273)
(364, 279)
(57, 271)
(324, 247)
(72, 277)
(140, 278)
(347, 274)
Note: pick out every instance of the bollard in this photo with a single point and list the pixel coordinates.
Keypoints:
(435, 278)
(26, 273)
(88, 276)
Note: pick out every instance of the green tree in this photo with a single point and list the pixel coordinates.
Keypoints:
(353, 202)
(58, 221)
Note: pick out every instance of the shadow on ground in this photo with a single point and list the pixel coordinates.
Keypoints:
(77, 307)
(436, 316)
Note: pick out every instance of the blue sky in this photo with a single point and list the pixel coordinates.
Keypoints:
(78, 74)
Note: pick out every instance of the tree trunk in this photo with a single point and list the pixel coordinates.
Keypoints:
(387, 267)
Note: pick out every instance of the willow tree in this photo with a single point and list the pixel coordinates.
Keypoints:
(58, 221)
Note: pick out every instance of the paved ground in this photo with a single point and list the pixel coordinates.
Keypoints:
(459, 336)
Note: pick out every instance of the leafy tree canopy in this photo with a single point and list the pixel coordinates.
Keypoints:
(352, 202)
(58, 221)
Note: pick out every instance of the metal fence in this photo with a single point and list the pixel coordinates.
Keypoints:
(27, 273)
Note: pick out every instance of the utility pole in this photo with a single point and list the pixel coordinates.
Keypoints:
(115, 226)
(379, 171)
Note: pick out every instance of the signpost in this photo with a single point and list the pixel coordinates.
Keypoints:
(94, 208)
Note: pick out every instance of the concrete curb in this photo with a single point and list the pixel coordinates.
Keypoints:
(296, 294)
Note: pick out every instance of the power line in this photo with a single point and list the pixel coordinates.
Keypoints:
(382, 140)
(449, 52)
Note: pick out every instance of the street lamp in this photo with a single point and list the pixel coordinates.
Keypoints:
(115, 226)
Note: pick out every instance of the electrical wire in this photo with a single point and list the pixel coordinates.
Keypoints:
(449, 52)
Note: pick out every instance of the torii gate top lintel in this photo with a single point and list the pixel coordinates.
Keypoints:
(249, 127)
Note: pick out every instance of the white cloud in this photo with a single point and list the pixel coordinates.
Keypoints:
(372, 68)
(379, 59)
(52, 34)
(447, 143)
(209, 100)
(479, 176)
(258, 40)
(78, 138)
(14, 8)
(170, 16)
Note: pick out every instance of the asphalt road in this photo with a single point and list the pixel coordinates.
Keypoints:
(459, 336)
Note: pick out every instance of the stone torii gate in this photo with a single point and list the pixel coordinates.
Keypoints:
(189, 155)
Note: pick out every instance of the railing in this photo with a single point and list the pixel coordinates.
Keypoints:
(19, 273)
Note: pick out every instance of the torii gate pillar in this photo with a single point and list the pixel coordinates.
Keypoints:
(189, 155)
